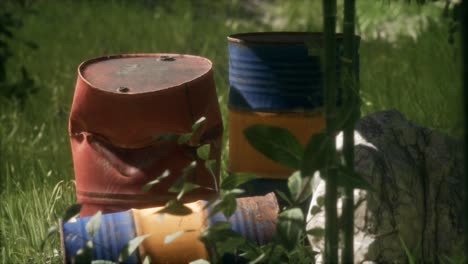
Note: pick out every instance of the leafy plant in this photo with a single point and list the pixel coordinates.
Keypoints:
(316, 157)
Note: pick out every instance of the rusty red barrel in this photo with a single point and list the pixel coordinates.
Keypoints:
(121, 105)
(254, 219)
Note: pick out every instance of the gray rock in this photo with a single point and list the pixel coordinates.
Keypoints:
(418, 176)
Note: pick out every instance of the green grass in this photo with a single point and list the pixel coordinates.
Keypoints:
(419, 78)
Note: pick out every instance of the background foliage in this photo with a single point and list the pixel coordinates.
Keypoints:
(407, 63)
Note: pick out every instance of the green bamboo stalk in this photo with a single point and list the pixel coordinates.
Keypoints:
(330, 81)
(351, 94)
(464, 43)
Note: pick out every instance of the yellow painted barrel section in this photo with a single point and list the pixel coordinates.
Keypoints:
(244, 158)
(185, 248)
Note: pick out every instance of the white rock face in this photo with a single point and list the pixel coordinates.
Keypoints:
(418, 176)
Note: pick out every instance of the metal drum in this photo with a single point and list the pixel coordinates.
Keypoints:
(121, 106)
(254, 219)
(275, 78)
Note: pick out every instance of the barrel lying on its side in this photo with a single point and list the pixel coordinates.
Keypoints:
(254, 219)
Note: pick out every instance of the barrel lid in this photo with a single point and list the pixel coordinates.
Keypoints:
(142, 73)
(286, 37)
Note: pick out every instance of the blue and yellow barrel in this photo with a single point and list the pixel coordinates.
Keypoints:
(275, 79)
(254, 219)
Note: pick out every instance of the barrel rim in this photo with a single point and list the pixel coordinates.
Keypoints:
(87, 62)
(265, 37)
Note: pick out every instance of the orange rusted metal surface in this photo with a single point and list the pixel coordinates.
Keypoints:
(244, 158)
(122, 103)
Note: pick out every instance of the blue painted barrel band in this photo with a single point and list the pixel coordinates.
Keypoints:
(261, 70)
(290, 102)
(270, 87)
(274, 72)
(114, 233)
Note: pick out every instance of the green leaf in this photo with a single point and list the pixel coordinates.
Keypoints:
(203, 152)
(150, 184)
(259, 259)
(251, 250)
(102, 262)
(184, 138)
(299, 187)
(317, 232)
(181, 185)
(233, 180)
(52, 230)
(409, 255)
(71, 211)
(221, 238)
(211, 165)
(186, 187)
(317, 154)
(227, 205)
(84, 254)
(201, 121)
(198, 128)
(175, 208)
(321, 200)
(351, 179)
(166, 136)
(276, 143)
(169, 238)
(189, 169)
(233, 192)
(285, 197)
(200, 261)
(295, 184)
(130, 247)
(147, 260)
(94, 223)
(315, 210)
(306, 189)
(219, 226)
(290, 226)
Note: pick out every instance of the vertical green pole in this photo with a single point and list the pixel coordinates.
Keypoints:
(351, 94)
(464, 43)
(330, 81)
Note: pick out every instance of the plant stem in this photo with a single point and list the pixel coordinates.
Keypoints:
(464, 24)
(351, 94)
(330, 81)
